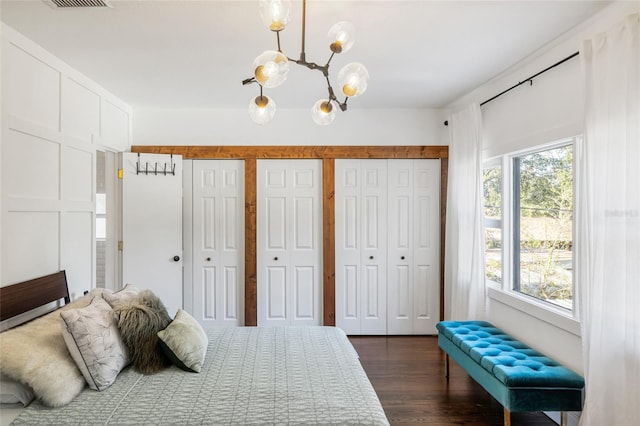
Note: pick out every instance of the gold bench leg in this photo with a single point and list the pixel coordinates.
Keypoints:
(563, 418)
(507, 417)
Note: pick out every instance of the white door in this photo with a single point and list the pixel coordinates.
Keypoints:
(400, 249)
(413, 283)
(289, 241)
(218, 241)
(387, 246)
(426, 246)
(152, 225)
(361, 246)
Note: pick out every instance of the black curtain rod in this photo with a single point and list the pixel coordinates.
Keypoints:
(530, 79)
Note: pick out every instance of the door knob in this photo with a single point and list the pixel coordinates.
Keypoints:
(176, 258)
(402, 257)
(370, 257)
(208, 259)
(275, 258)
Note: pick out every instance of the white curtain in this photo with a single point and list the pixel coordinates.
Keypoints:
(464, 244)
(608, 226)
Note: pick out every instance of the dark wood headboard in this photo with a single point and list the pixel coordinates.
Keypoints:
(19, 298)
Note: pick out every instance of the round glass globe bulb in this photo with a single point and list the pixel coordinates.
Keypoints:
(262, 109)
(342, 36)
(275, 13)
(323, 112)
(271, 68)
(353, 79)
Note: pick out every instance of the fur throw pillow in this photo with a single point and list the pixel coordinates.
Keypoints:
(35, 354)
(140, 320)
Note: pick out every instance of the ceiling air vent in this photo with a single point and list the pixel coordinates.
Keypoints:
(78, 3)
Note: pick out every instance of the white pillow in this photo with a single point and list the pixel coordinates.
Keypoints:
(93, 339)
(184, 342)
(12, 392)
(125, 294)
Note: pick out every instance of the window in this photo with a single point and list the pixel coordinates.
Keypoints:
(543, 224)
(101, 216)
(492, 184)
(530, 251)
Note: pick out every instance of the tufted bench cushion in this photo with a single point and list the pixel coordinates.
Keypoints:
(519, 377)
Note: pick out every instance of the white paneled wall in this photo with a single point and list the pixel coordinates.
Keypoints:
(53, 119)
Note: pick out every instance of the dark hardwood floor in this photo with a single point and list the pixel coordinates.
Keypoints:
(407, 373)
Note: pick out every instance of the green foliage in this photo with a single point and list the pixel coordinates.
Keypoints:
(492, 192)
(546, 183)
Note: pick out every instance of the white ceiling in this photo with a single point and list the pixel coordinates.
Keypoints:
(194, 54)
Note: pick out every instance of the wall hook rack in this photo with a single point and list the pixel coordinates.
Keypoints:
(154, 170)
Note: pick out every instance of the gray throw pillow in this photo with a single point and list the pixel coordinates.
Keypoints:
(94, 342)
(185, 342)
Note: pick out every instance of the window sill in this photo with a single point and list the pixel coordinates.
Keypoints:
(549, 314)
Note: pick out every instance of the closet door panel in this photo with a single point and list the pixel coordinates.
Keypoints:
(208, 283)
(231, 294)
(361, 246)
(289, 242)
(306, 247)
(272, 261)
(350, 292)
(276, 217)
(276, 286)
(348, 235)
(374, 302)
(423, 308)
(400, 244)
(218, 241)
(426, 246)
(374, 246)
(304, 294)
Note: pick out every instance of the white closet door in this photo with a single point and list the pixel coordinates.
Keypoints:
(289, 241)
(426, 246)
(374, 247)
(348, 235)
(413, 280)
(152, 227)
(361, 239)
(400, 248)
(218, 241)
(387, 246)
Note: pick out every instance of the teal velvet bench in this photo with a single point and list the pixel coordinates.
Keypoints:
(518, 377)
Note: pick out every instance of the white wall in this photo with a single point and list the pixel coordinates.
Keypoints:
(549, 110)
(53, 118)
(154, 126)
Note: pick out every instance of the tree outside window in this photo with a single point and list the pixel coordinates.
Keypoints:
(543, 225)
(492, 184)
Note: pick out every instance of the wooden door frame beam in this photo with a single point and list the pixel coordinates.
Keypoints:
(327, 154)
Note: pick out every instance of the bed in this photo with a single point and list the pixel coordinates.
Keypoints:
(249, 375)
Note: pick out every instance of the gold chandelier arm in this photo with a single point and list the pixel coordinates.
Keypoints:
(329, 60)
(332, 96)
(304, 26)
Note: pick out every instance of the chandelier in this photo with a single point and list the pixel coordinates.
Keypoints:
(271, 67)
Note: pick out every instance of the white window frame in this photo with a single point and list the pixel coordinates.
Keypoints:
(503, 292)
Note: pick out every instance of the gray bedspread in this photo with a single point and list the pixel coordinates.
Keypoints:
(251, 375)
